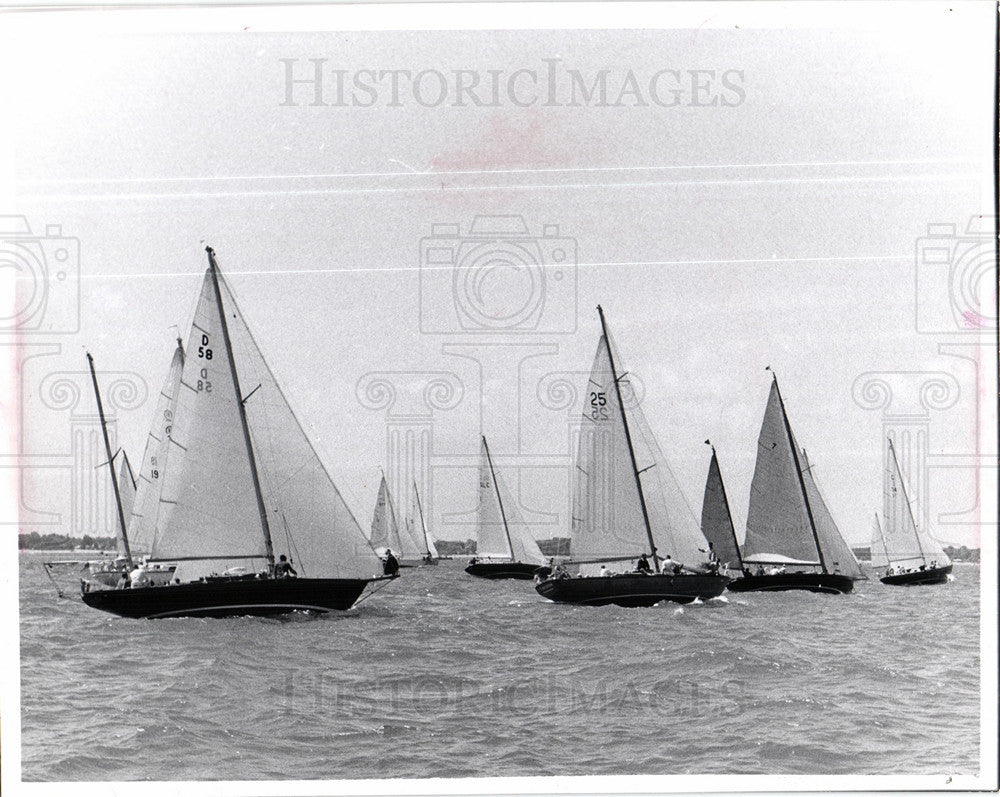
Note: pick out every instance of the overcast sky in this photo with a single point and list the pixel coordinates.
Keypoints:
(778, 226)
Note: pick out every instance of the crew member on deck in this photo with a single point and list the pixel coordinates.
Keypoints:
(138, 577)
(283, 568)
(390, 565)
(642, 566)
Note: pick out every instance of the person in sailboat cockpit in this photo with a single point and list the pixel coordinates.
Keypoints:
(642, 566)
(283, 568)
(390, 565)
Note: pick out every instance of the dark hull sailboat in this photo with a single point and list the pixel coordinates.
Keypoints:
(212, 499)
(828, 583)
(524, 571)
(633, 589)
(508, 550)
(231, 597)
(931, 575)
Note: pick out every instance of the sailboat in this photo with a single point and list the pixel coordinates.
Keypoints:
(431, 555)
(792, 540)
(626, 503)
(909, 555)
(717, 520)
(388, 535)
(243, 492)
(505, 548)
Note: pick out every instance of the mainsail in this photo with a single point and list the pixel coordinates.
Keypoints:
(904, 543)
(788, 520)
(142, 519)
(717, 520)
(422, 532)
(626, 496)
(502, 532)
(226, 501)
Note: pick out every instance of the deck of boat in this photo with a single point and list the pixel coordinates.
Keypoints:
(915, 578)
(499, 570)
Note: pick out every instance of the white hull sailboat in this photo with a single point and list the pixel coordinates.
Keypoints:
(237, 467)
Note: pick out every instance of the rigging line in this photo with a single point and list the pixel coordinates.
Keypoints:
(363, 598)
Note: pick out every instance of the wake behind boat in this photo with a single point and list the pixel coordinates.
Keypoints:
(792, 541)
(238, 465)
(626, 499)
(910, 556)
(505, 547)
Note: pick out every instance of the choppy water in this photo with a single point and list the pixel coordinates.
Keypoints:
(444, 675)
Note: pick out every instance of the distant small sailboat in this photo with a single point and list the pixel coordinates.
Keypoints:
(626, 500)
(909, 555)
(388, 535)
(792, 541)
(505, 548)
(431, 557)
(239, 465)
(717, 520)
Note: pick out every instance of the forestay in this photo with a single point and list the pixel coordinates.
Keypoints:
(837, 553)
(142, 520)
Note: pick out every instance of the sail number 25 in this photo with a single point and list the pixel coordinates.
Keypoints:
(204, 353)
(598, 406)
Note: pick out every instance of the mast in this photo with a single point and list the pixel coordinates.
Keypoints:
(906, 498)
(265, 526)
(423, 525)
(111, 465)
(496, 488)
(725, 500)
(798, 472)
(881, 536)
(628, 439)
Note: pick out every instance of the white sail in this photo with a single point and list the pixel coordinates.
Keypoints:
(501, 525)
(208, 506)
(716, 520)
(149, 480)
(905, 543)
(777, 519)
(310, 521)
(837, 554)
(492, 541)
(608, 518)
(880, 554)
(386, 531)
(420, 525)
(126, 489)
